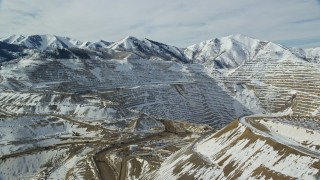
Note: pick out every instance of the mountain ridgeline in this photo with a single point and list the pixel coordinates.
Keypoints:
(242, 68)
(222, 53)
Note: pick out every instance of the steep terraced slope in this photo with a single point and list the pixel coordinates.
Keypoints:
(277, 86)
(95, 89)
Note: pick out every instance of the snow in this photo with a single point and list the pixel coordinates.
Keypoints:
(40, 130)
(168, 89)
(92, 112)
(165, 172)
(235, 147)
(230, 51)
(70, 163)
(13, 39)
(43, 42)
(148, 48)
(207, 148)
(248, 99)
(30, 166)
(296, 133)
(96, 45)
(246, 157)
(124, 66)
(278, 138)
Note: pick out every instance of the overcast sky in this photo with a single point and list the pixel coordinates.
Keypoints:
(175, 22)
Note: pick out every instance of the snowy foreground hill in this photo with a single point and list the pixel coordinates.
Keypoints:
(141, 109)
(254, 148)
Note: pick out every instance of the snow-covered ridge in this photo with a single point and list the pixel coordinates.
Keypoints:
(139, 48)
(43, 42)
(233, 49)
(223, 54)
(228, 53)
(149, 49)
(300, 134)
(239, 152)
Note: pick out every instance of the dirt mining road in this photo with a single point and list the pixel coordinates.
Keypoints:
(105, 168)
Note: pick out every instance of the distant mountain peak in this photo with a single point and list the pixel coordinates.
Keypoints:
(131, 38)
(223, 53)
(50, 41)
(13, 39)
(148, 48)
(229, 52)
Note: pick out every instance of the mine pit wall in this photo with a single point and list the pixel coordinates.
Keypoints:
(280, 86)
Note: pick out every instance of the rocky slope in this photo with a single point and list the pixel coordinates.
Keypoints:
(263, 150)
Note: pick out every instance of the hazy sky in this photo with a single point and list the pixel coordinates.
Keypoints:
(175, 22)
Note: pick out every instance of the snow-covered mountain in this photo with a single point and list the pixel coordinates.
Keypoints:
(244, 67)
(71, 109)
(220, 53)
(97, 45)
(257, 73)
(225, 52)
(149, 49)
(43, 42)
(228, 53)
(143, 48)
